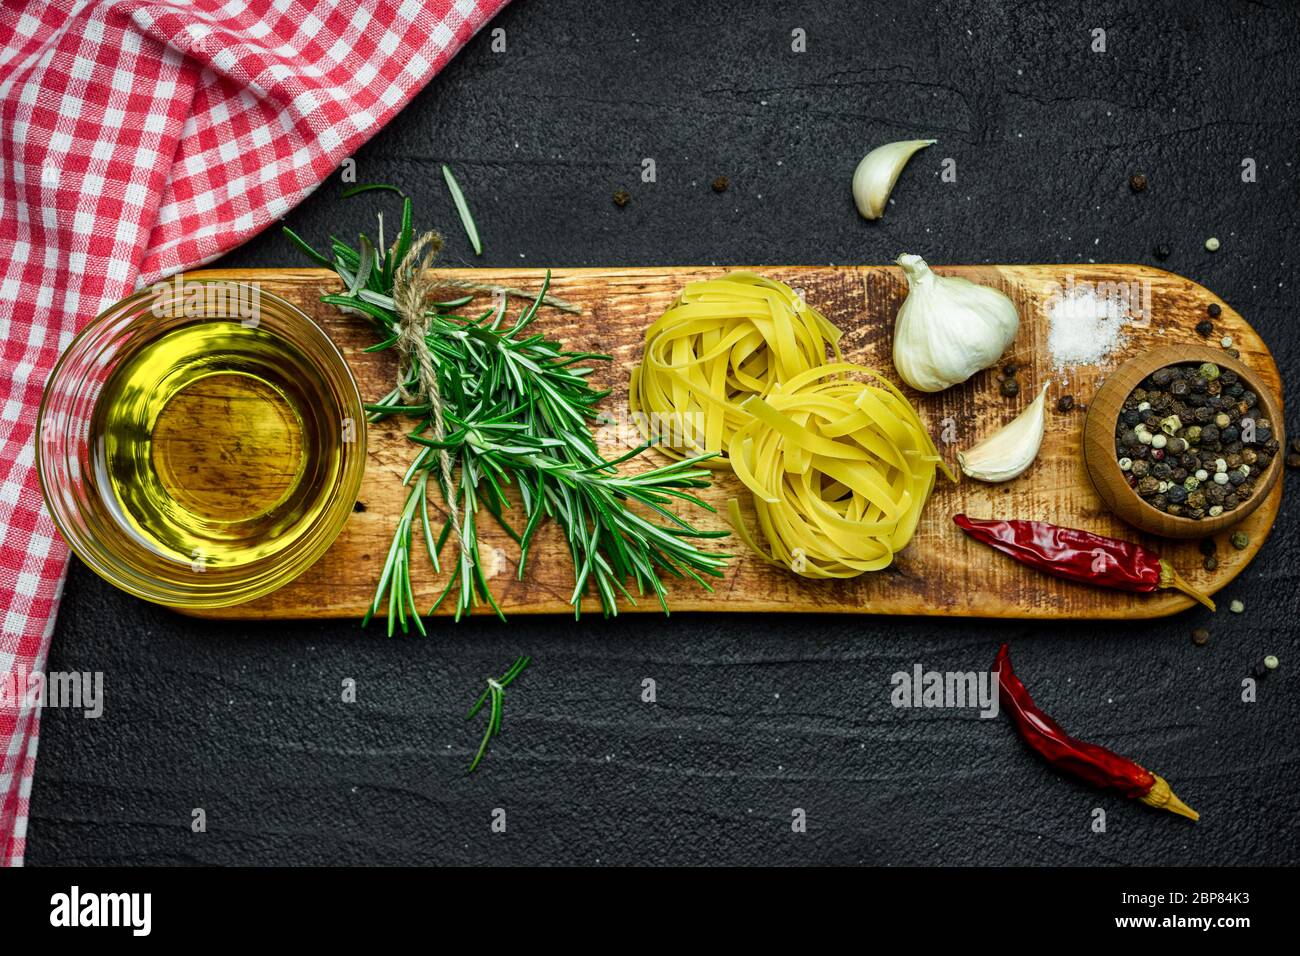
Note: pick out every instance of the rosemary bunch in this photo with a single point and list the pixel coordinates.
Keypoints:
(516, 411)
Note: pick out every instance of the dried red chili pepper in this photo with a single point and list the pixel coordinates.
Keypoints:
(1095, 765)
(1080, 555)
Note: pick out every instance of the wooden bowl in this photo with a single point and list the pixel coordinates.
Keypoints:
(1099, 443)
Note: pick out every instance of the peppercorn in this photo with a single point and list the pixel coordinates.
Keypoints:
(1214, 310)
(720, 184)
(1206, 459)
(621, 197)
(1205, 328)
(1010, 369)
(1161, 252)
(1137, 182)
(1065, 403)
(1271, 662)
(1240, 541)
(1236, 607)
(1211, 563)
(1010, 388)
(1200, 636)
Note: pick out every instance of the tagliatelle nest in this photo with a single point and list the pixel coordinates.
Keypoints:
(723, 341)
(840, 471)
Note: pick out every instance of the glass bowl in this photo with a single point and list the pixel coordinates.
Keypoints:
(201, 443)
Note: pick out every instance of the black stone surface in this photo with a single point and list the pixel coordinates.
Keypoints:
(756, 715)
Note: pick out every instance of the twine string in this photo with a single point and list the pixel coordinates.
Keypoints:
(411, 289)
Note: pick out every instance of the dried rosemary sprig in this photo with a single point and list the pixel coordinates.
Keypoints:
(516, 412)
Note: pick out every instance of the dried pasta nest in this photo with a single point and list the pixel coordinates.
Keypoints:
(722, 342)
(840, 471)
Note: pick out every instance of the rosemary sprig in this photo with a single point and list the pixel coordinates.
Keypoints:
(517, 409)
(496, 692)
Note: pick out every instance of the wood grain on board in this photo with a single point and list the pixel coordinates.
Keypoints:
(940, 573)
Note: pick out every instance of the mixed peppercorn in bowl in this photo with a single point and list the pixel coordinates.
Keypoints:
(1193, 441)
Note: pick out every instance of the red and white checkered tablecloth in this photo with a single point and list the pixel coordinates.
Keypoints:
(139, 138)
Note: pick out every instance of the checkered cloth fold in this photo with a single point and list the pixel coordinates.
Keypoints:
(141, 138)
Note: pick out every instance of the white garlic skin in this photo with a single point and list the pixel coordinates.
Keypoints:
(877, 173)
(948, 328)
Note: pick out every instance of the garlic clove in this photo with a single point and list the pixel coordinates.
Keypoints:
(876, 175)
(1010, 450)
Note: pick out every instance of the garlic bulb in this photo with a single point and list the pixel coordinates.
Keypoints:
(948, 328)
(875, 176)
(1009, 450)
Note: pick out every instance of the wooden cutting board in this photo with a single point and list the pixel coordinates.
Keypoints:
(940, 573)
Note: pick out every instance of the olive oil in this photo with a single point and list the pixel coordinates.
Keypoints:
(213, 444)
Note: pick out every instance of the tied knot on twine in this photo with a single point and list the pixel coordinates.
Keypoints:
(417, 377)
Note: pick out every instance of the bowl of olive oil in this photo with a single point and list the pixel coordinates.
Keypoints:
(201, 443)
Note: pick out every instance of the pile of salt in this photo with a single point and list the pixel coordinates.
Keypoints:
(1085, 328)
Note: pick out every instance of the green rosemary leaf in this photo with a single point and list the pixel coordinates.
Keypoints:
(363, 272)
(478, 703)
(462, 208)
(305, 247)
(368, 187)
(360, 305)
(405, 235)
(381, 346)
